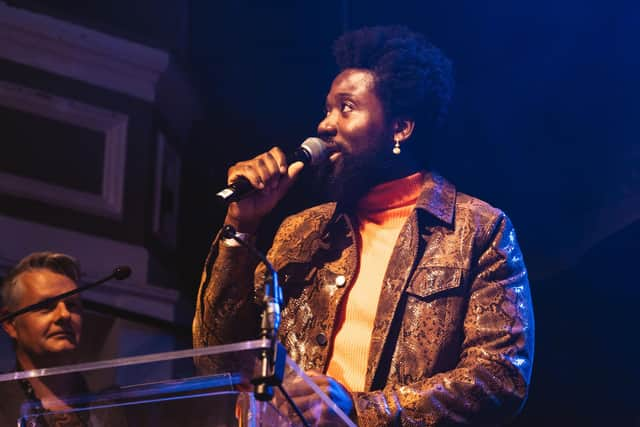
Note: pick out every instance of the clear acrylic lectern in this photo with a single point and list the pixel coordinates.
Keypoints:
(165, 389)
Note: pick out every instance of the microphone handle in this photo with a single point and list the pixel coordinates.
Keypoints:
(300, 154)
(238, 189)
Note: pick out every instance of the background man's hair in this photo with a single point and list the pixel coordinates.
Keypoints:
(413, 78)
(56, 262)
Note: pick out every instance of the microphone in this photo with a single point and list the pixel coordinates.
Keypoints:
(119, 273)
(313, 150)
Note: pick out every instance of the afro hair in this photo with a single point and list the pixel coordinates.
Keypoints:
(413, 78)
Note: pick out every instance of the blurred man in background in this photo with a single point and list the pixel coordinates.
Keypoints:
(43, 338)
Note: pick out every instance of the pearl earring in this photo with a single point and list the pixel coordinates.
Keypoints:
(396, 148)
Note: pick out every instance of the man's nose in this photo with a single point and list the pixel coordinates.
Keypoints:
(62, 311)
(327, 126)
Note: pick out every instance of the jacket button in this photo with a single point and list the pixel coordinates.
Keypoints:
(340, 281)
(321, 339)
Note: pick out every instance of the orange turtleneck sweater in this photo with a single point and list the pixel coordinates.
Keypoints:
(380, 216)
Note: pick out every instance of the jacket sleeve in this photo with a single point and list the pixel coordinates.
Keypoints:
(489, 384)
(225, 311)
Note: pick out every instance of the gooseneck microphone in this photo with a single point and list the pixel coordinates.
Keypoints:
(119, 273)
(312, 151)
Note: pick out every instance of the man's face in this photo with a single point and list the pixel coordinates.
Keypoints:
(358, 133)
(51, 331)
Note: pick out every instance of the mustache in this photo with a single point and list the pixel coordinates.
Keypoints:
(332, 145)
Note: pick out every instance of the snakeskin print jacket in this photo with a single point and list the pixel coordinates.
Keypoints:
(453, 336)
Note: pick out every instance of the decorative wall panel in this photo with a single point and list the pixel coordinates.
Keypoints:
(35, 178)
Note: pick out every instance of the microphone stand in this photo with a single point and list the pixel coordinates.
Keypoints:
(272, 359)
(119, 273)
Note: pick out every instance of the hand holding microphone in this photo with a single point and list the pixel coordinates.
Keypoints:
(255, 186)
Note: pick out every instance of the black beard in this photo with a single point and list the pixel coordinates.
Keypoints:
(353, 180)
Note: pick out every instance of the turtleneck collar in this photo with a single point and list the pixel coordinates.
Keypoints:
(390, 199)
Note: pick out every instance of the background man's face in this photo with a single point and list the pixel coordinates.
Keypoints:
(355, 127)
(50, 331)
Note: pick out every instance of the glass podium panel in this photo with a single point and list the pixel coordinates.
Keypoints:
(165, 389)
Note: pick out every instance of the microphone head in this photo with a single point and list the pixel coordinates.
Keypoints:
(122, 272)
(316, 148)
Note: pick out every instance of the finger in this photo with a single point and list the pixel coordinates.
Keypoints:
(307, 394)
(316, 412)
(299, 388)
(320, 380)
(247, 170)
(305, 403)
(313, 417)
(285, 407)
(291, 177)
(280, 158)
(269, 170)
(287, 411)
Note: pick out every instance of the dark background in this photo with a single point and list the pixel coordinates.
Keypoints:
(544, 125)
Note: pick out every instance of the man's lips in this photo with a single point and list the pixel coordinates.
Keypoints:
(62, 334)
(333, 150)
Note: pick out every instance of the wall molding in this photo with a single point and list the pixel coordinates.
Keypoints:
(112, 124)
(152, 301)
(80, 53)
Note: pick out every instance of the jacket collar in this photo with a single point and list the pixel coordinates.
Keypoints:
(438, 197)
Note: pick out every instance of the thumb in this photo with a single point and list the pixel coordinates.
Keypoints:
(293, 172)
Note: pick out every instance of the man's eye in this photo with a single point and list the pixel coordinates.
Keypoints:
(346, 107)
(47, 308)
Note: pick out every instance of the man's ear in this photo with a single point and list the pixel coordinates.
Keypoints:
(8, 326)
(402, 129)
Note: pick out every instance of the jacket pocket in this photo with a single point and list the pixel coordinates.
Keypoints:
(428, 281)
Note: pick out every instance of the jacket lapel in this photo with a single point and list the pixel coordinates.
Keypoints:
(438, 200)
(396, 277)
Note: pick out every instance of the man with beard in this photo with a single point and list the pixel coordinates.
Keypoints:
(406, 301)
(45, 338)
